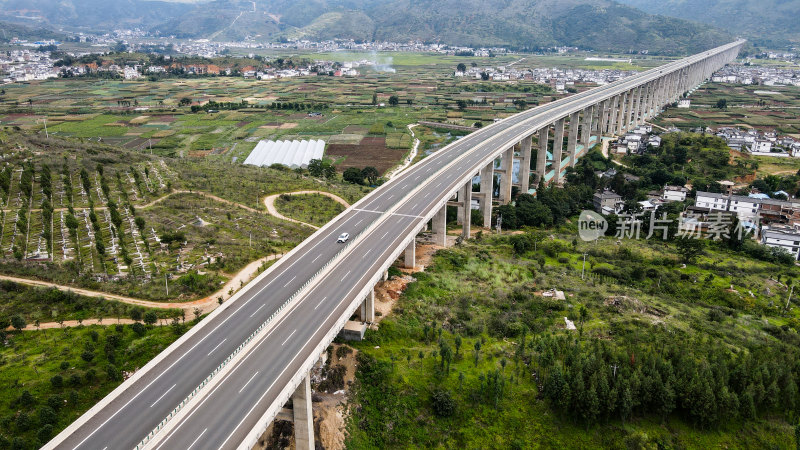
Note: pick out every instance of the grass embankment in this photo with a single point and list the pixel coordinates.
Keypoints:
(51, 377)
(315, 209)
(663, 355)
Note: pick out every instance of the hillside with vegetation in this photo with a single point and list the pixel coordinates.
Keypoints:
(10, 31)
(669, 349)
(769, 22)
(517, 24)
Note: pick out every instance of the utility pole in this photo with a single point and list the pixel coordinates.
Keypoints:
(166, 284)
(46, 134)
(789, 299)
(583, 269)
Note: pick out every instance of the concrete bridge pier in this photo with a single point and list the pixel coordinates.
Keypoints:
(439, 227)
(586, 127)
(572, 139)
(466, 218)
(558, 149)
(366, 312)
(507, 172)
(613, 112)
(303, 416)
(633, 94)
(487, 188)
(602, 116)
(524, 167)
(541, 156)
(620, 119)
(411, 255)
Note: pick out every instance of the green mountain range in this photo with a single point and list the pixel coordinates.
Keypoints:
(594, 24)
(10, 31)
(767, 22)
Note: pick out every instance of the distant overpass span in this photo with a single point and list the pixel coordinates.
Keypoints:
(222, 383)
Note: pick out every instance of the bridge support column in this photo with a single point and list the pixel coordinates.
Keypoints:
(620, 121)
(644, 98)
(506, 178)
(303, 416)
(541, 156)
(663, 96)
(524, 166)
(602, 119)
(439, 227)
(411, 255)
(613, 113)
(632, 96)
(487, 188)
(466, 195)
(586, 128)
(366, 313)
(558, 148)
(572, 139)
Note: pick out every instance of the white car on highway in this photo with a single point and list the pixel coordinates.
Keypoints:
(343, 237)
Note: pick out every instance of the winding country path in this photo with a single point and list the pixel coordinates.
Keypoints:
(206, 304)
(269, 202)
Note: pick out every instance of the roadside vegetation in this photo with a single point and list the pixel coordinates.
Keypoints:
(477, 353)
(35, 305)
(53, 376)
(315, 209)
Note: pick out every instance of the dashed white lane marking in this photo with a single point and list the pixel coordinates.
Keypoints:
(198, 438)
(248, 382)
(162, 396)
(290, 336)
(320, 302)
(345, 275)
(287, 283)
(220, 343)
(315, 259)
(259, 309)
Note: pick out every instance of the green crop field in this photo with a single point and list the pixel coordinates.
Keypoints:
(763, 107)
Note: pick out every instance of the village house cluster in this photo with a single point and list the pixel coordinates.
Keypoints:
(757, 75)
(636, 141)
(774, 222)
(558, 79)
(760, 143)
(26, 65)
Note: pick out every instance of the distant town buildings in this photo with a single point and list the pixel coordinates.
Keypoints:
(559, 79)
(26, 65)
(759, 143)
(761, 75)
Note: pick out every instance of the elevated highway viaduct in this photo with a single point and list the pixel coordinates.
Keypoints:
(223, 382)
